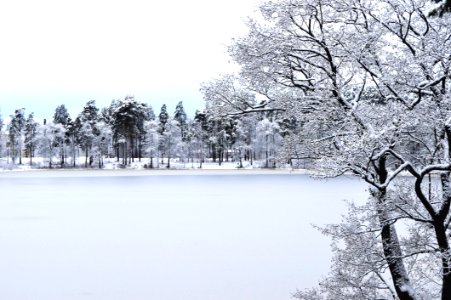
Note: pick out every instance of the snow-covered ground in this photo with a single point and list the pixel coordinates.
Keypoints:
(166, 235)
(39, 163)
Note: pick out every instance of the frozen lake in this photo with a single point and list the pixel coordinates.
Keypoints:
(165, 236)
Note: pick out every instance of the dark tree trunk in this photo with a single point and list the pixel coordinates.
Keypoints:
(62, 155)
(86, 157)
(390, 242)
(441, 235)
(31, 155)
(442, 240)
(213, 152)
(74, 156)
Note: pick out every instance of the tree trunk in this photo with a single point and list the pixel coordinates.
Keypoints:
(124, 153)
(132, 150)
(74, 156)
(442, 241)
(442, 238)
(86, 157)
(62, 155)
(213, 152)
(393, 255)
(390, 242)
(31, 155)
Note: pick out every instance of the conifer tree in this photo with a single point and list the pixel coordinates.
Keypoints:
(61, 116)
(128, 124)
(88, 119)
(150, 113)
(30, 136)
(180, 117)
(163, 119)
(16, 128)
(72, 137)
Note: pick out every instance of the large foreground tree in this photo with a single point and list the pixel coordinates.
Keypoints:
(370, 81)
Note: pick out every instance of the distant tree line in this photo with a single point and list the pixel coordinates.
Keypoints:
(129, 130)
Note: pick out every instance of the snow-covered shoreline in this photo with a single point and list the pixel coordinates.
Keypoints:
(140, 172)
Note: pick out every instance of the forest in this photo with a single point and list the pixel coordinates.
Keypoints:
(129, 131)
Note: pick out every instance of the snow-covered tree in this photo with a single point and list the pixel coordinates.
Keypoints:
(46, 141)
(73, 138)
(61, 116)
(30, 136)
(268, 141)
(16, 130)
(129, 117)
(152, 141)
(163, 119)
(87, 131)
(170, 141)
(199, 136)
(239, 145)
(181, 118)
(370, 82)
(102, 141)
(150, 113)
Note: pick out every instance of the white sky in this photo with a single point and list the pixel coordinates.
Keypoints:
(55, 51)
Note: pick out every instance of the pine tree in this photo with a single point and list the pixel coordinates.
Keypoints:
(61, 116)
(88, 119)
(150, 113)
(180, 117)
(163, 118)
(129, 117)
(106, 114)
(16, 128)
(30, 136)
(90, 112)
(72, 137)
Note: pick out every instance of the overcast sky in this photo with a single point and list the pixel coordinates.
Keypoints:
(68, 52)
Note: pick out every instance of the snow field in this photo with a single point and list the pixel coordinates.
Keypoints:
(171, 236)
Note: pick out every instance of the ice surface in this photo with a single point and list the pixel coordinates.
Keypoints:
(65, 235)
